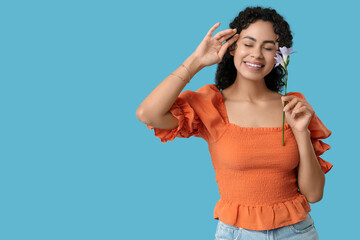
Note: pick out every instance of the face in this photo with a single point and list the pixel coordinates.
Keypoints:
(257, 45)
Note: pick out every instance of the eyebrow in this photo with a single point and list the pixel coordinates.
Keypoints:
(266, 41)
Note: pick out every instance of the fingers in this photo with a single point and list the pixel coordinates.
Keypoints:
(223, 35)
(293, 102)
(300, 109)
(211, 31)
(287, 98)
(293, 107)
(227, 44)
(296, 106)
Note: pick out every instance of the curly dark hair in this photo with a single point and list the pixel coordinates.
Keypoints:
(226, 71)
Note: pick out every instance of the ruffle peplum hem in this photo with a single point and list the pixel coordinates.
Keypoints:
(262, 217)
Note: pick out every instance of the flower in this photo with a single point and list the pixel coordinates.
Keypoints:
(279, 60)
(283, 58)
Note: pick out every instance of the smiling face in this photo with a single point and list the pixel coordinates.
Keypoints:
(257, 45)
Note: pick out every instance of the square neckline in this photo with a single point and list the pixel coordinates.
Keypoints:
(228, 123)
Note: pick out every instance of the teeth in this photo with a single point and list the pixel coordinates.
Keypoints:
(253, 65)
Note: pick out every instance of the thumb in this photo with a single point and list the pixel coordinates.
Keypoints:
(282, 100)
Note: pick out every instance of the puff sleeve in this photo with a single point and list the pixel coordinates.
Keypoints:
(318, 131)
(190, 123)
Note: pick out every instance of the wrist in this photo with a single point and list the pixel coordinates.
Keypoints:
(305, 133)
(194, 63)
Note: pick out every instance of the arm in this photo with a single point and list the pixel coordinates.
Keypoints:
(311, 178)
(154, 110)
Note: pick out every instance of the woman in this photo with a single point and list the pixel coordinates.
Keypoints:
(265, 187)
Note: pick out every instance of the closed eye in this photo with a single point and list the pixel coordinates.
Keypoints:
(269, 49)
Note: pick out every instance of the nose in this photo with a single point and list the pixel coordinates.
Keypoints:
(256, 52)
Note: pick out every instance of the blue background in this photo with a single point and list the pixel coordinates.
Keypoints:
(76, 163)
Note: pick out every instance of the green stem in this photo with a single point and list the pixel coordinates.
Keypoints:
(286, 78)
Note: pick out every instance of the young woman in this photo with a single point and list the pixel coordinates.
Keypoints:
(265, 187)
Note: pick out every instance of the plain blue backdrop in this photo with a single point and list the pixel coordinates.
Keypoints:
(76, 163)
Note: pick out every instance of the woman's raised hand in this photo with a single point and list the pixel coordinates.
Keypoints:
(211, 50)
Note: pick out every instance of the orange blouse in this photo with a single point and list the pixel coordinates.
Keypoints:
(255, 173)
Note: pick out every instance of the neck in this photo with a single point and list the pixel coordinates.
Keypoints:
(249, 90)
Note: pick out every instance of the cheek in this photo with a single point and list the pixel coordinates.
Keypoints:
(272, 57)
(242, 54)
(273, 61)
(243, 51)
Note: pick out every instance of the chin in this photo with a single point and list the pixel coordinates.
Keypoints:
(253, 76)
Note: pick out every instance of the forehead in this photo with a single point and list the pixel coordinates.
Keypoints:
(260, 30)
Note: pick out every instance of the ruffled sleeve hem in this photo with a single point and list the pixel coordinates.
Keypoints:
(326, 166)
(189, 122)
(319, 131)
(262, 217)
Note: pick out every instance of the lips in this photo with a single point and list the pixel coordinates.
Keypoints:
(257, 63)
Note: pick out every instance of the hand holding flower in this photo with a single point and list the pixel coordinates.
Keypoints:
(298, 113)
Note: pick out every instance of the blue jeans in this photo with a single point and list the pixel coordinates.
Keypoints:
(302, 230)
